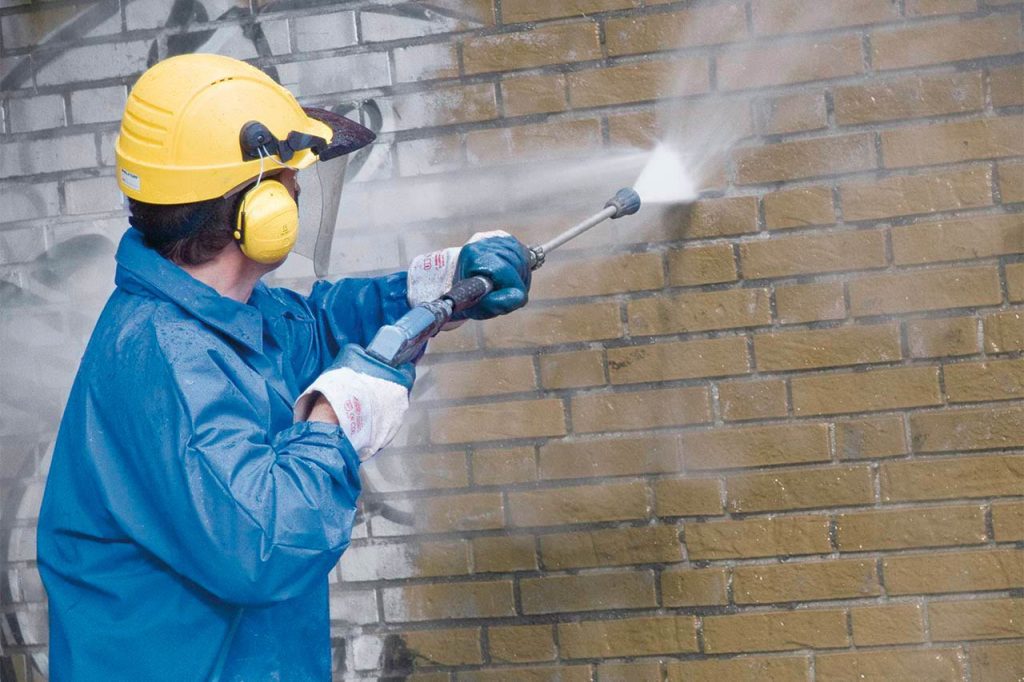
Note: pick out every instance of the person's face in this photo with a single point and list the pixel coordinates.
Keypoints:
(290, 179)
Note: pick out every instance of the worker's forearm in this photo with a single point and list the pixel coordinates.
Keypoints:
(322, 411)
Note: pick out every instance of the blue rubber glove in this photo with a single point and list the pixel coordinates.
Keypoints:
(504, 260)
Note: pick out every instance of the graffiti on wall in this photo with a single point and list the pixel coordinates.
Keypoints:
(48, 303)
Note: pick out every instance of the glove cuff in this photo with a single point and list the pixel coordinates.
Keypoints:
(432, 274)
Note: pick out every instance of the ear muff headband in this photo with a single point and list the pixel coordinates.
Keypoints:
(267, 222)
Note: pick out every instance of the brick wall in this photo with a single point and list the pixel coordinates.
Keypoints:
(776, 435)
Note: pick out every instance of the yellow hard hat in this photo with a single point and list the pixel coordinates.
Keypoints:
(196, 125)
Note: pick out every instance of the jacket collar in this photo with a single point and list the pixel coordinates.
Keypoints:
(143, 270)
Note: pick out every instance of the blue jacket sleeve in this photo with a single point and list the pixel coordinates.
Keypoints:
(251, 517)
(335, 314)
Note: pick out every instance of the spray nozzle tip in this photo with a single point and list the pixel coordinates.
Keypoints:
(626, 202)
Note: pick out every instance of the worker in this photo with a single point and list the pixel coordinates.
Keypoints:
(206, 473)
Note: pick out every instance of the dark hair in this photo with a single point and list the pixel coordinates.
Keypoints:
(186, 234)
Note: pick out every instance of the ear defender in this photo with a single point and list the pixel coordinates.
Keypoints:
(267, 223)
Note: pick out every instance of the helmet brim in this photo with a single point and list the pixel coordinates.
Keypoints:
(347, 136)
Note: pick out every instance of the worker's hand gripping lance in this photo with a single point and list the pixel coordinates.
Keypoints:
(402, 341)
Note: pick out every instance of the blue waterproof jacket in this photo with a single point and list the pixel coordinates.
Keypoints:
(188, 526)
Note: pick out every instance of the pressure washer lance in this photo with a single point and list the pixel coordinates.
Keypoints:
(402, 341)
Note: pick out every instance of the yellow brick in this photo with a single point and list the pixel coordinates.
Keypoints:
(701, 265)
(500, 466)
(891, 664)
(810, 302)
(721, 217)
(1011, 181)
(806, 489)
(533, 95)
(680, 360)
(776, 631)
(1007, 86)
(796, 61)
(801, 207)
(793, 113)
(916, 8)
(490, 599)
(690, 587)
(889, 624)
(445, 647)
(581, 504)
(835, 252)
(951, 142)
(559, 673)
(555, 139)
(572, 370)
(784, 536)
(550, 325)
(945, 42)
(946, 336)
(924, 290)
(521, 643)
(688, 497)
(984, 381)
(744, 669)
(1008, 521)
(613, 547)
(967, 429)
(446, 513)
(1015, 282)
(673, 30)
(833, 579)
(556, 44)
(593, 592)
(628, 672)
(881, 389)
(462, 379)
(599, 412)
(610, 457)
(628, 637)
(501, 554)
(497, 421)
(600, 276)
(937, 573)
(791, 16)
(870, 438)
(952, 478)
(638, 129)
(901, 195)
(638, 82)
(805, 159)
(729, 309)
(761, 399)
(827, 347)
(996, 662)
(980, 237)
(753, 446)
(514, 11)
(953, 621)
(896, 529)
(911, 97)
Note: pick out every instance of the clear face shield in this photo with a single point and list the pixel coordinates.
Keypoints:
(321, 183)
(319, 199)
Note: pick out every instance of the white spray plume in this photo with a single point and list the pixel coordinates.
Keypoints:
(665, 179)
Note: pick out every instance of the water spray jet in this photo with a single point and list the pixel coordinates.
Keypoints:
(402, 341)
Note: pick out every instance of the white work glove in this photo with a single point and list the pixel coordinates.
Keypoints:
(432, 274)
(369, 398)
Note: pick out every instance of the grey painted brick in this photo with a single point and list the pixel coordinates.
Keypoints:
(92, 195)
(429, 155)
(98, 105)
(107, 141)
(358, 607)
(438, 107)
(19, 159)
(229, 41)
(154, 13)
(277, 36)
(95, 62)
(21, 246)
(28, 200)
(29, 28)
(325, 31)
(425, 62)
(36, 113)
(336, 74)
(380, 25)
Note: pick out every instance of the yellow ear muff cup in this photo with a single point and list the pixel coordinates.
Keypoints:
(267, 222)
